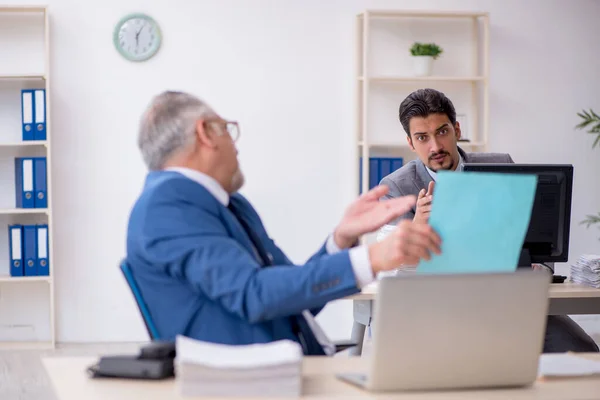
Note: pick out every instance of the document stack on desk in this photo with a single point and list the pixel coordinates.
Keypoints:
(567, 365)
(257, 370)
(586, 270)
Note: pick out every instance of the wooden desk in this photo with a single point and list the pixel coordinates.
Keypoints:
(565, 298)
(70, 382)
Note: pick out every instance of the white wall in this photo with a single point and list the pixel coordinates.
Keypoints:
(285, 70)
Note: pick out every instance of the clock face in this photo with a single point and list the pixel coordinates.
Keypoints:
(137, 37)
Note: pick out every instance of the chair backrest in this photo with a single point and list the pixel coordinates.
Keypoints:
(137, 294)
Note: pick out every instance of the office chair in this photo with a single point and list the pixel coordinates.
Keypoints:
(151, 328)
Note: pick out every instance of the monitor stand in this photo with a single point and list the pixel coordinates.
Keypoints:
(525, 262)
(525, 259)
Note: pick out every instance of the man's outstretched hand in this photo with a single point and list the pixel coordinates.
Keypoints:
(408, 244)
(367, 214)
(424, 204)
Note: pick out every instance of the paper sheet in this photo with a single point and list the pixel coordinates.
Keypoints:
(482, 219)
(237, 356)
(566, 365)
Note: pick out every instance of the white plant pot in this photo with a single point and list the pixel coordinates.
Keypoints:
(423, 65)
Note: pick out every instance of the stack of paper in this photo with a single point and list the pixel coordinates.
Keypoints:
(586, 270)
(567, 365)
(257, 370)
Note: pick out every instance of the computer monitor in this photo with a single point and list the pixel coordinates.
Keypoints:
(547, 238)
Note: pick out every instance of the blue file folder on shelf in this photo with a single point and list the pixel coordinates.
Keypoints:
(40, 182)
(40, 114)
(42, 250)
(29, 250)
(33, 114)
(27, 114)
(482, 220)
(379, 168)
(15, 246)
(24, 191)
(31, 182)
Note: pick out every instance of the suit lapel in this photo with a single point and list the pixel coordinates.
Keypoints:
(249, 233)
(464, 155)
(239, 234)
(422, 177)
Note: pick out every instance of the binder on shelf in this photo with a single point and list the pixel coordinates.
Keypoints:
(379, 168)
(43, 260)
(39, 102)
(27, 109)
(29, 250)
(373, 172)
(15, 245)
(24, 191)
(40, 182)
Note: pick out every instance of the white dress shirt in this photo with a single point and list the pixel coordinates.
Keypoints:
(359, 256)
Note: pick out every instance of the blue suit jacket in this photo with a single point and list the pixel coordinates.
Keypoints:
(200, 277)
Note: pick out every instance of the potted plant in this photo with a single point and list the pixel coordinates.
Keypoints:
(423, 55)
(590, 120)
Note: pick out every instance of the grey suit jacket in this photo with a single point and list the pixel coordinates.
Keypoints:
(412, 177)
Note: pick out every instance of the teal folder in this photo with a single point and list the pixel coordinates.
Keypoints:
(482, 219)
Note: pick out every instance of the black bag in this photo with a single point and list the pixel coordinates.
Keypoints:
(155, 361)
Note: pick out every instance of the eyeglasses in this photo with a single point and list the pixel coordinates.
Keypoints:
(232, 127)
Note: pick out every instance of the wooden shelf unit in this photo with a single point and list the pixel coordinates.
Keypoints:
(388, 137)
(12, 81)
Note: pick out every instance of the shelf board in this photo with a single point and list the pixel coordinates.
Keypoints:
(396, 79)
(23, 279)
(405, 146)
(43, 345)
(22, 77)
(18, 211)
(25, 143)
(471, 144)
(31, 8)
(421, 14)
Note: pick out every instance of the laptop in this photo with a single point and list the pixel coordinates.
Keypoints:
(456, 331)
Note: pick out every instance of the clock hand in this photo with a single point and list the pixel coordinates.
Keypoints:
(137, 36)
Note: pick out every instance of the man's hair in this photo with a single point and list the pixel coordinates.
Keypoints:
(422, 103)
(169, 125)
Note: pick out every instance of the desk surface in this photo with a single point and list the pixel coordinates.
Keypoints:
(557, 291)
(70, 382)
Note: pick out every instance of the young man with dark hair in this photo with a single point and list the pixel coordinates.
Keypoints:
(429, 120)
(432, 132)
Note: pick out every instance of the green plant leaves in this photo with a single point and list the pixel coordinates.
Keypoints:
(591, 220)
(426, 49)
(591, 121)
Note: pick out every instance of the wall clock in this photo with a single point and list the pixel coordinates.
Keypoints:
(137, 37)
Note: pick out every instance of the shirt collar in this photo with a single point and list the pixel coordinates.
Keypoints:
(461, 162)
(208, 182)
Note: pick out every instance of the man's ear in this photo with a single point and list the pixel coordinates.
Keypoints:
(204, 134)
(457, 130)
(410, 143)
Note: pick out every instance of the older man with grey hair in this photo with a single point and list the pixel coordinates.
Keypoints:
(204, 262)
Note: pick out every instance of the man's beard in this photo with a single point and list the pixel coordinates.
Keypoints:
(445, 153)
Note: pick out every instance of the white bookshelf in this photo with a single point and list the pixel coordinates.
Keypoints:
(27, 317)
(384, 77)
